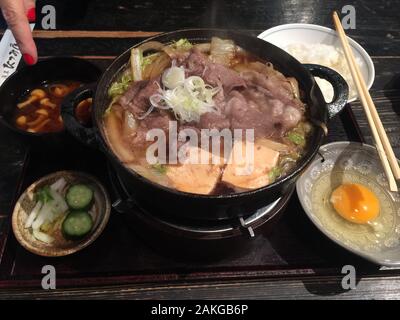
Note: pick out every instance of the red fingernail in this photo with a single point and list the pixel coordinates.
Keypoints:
(31, 15)
(28, 59)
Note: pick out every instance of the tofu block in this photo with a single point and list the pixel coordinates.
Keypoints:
(243, 174)
(195, 177)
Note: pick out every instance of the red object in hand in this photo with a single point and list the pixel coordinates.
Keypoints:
(28, 59)
(31, 15)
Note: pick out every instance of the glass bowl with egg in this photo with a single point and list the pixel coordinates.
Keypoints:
(310, 43)
(345, 193)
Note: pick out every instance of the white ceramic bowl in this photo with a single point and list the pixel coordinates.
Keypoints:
(287, 34)
(362, 162)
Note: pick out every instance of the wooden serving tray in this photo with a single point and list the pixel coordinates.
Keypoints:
(295, 248)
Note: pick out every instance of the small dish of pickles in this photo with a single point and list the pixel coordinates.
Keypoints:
(61, 213)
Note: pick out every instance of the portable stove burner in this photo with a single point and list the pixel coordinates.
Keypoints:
(197, 229)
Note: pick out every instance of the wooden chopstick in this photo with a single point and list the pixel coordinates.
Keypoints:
(381, 130)
(385, 151)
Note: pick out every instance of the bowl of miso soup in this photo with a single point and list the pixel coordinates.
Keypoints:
(32, 97)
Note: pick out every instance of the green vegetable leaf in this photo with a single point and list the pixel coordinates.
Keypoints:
(119, 87)
(274, 173)
(182, 44)
(44, 195)
(296, 138)
(160, 168)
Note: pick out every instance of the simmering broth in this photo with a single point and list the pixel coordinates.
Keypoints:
(185, 88)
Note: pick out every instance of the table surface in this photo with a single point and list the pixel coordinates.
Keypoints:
(101, 30)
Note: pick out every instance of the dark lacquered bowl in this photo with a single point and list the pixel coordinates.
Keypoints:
(30, 77)
(166, 201)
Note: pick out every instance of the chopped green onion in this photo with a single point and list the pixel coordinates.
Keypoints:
(44, 195)
(189, 99)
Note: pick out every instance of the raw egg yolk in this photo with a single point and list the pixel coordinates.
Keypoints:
(355, 203)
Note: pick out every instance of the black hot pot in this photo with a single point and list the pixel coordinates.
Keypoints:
(170, 202)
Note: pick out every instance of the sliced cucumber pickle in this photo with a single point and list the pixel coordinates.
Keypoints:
(77, 224)
(79, 196)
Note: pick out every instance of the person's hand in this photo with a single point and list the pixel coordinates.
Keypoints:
(18, 14)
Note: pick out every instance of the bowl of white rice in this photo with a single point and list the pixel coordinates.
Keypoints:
(310, 43)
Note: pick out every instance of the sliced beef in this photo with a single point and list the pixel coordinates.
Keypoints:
(214, 74)
(290, 118)
(246, 114)
(273, 87)
(219, 100)
(136, 98)
(277, 104)
(252, 99)
(214, 120)
(277, 107)
(176, 54)
(155, 120)
(249, 100)
(191, 125)
(219, 75)
(195, 64)
(131, 92)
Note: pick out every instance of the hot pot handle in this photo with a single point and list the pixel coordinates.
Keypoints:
(340, 87)
(86, 135)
